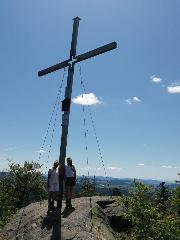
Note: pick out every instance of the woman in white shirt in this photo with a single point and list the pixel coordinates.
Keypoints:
(70, 181)
(53, 184)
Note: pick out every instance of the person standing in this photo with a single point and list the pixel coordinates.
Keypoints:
(70, 181)
(53, 185)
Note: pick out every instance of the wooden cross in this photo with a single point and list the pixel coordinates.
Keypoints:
(73, 59)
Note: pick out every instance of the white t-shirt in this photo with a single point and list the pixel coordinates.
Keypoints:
(69, 171)
(53, 180)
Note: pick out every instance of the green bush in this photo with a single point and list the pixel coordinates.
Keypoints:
(175, 200)
(148, 221)
(20, 186)
(87, 188)
(162, 197)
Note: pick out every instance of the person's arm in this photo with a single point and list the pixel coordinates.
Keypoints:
(75, 174)
(74, 170)
(64, 172)
(49, 174)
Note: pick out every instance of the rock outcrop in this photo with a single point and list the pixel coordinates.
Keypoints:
(79, 223)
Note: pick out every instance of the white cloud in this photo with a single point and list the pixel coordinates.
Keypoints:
(40, 151)
(140, 164)
(87, 99)
(114, 168)
(155, 79)
(136, 99)
(168, 166)
(173, 89)
(133, 100)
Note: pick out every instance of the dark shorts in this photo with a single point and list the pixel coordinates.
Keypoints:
(70, 181)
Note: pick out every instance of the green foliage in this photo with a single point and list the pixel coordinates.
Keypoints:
(87, 188)
(6, 208)
(162, 197)
(116, 192)
(20, 186)
(148, 221)
(175, 200)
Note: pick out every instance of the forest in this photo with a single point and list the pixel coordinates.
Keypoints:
(153, 213)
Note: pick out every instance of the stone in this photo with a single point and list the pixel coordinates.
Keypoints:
(74, 224)
(34, 225)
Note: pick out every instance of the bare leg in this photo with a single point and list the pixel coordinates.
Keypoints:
(49, 197)
(67, 196)
(50, 200)
(70, 192)
(70, 196)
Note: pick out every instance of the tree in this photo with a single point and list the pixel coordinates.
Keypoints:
(87, 188)
(116, 192)
(20, 186)
(162, 197)
(147, 220)
(175, 200)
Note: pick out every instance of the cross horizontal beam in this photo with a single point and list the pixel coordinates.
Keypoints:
(97, 51)
(79, 58)
(53, 68)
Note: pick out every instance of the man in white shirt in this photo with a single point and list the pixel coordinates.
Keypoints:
(53, 184)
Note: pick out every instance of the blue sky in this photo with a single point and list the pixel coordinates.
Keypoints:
(138, 84)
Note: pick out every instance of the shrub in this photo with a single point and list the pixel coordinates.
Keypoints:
(149, 223)
(20, 186)
(162, 197)
(87, 188)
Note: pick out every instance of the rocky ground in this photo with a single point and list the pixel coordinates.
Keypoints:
(33, 222)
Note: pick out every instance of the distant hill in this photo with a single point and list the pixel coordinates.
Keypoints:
(122, 183)
(2, 174)
(128, 181)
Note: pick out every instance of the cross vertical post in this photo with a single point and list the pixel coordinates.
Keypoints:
(70, 63)
(65, 124)
(65, 116)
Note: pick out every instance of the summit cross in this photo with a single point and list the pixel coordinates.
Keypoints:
(73, 59)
